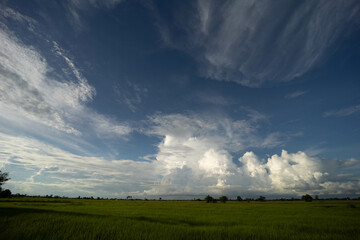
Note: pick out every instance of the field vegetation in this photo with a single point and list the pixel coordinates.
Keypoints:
(40, 218)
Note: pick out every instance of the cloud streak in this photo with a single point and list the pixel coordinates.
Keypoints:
(77, 8)
(295, 94)
(31, 89)
(8, 13)
(130, 94)
(49, 170)
(257, 42)
(343, 112)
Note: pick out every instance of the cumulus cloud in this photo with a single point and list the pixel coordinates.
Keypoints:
(258, 42)
(183, 166)
(343, 112)
(285, 174)
(196, 155)
(187, 134)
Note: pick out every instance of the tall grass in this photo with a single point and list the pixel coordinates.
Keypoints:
(110, 219)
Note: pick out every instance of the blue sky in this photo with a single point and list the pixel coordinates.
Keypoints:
(180, 99)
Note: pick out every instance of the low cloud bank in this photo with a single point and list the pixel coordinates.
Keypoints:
(175, 173)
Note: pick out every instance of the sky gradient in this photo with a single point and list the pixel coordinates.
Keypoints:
(180, 99)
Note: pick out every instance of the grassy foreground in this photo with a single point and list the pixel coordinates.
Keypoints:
(111, 219)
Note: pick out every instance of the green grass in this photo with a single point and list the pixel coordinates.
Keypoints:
(110, 219)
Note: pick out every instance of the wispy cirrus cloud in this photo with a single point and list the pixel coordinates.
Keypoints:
(343, 112)
(30, 88)
(83, 4)
(130, 94)
(213, 98)
(8, 13)
(258, 42)
(77, 8)
(296, 94)
(39, 168)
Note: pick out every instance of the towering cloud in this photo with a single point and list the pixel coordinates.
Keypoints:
(196, 156)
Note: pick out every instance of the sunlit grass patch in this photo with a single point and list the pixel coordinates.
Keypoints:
(111, 219)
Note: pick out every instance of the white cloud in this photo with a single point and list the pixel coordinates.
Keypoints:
(285, 174)
(258, 42)
(180, 168)
(296, 171)
(195, 156)
(195, 152)
(350, 162)
(84, 91)
(296, 94)
(8, 13)
(29, 88)
(38, 168)
(343, 112)
(25, 87)
(193, 131)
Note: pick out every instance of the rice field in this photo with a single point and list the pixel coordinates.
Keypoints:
(29, 218)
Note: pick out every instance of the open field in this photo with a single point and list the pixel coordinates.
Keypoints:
(110, 219)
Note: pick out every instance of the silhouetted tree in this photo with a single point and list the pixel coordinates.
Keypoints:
(3, 178)
(5, 194)
(209, 199)
(223, 199)
(307, 198)
(316, 197)
(261, 198)
(238, 198)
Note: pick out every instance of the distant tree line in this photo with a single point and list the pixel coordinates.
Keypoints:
(306, 198)
(224, 199)
(4, 176)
